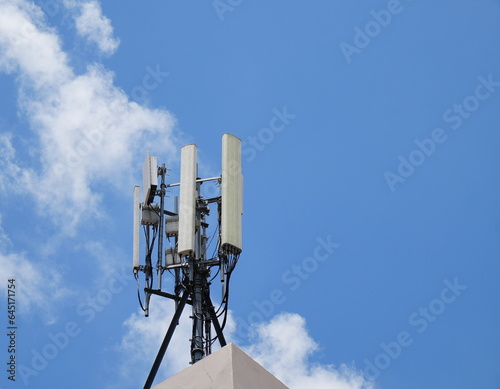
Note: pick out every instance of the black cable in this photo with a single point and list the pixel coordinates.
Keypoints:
(227, 304)
(139, 292)
(210, 242)
(213, 278)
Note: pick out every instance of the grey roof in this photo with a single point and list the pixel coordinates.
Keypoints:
(228, 368)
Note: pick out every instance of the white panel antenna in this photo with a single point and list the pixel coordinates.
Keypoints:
(231, 195)
(187, 194)
(137, 224)
(149, 178)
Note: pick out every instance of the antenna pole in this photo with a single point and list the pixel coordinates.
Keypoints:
(159, 264)
(177, 271)
(197, 349)
(197, 341)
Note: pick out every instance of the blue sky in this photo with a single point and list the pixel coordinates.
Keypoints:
(370, 156)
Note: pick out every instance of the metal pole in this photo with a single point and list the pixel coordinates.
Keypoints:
(197, 340)
(177, 271)
(166, 340)
(159, 264)
(208, 335)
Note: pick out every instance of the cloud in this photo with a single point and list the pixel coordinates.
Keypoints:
(93, 25)
(29, 47)
(10, 174)
(37, 287)
(142, 339)
(284, 347)
(89, 133)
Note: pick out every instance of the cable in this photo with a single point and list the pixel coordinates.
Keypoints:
(216, 274)
(139, 293)
(210, 242)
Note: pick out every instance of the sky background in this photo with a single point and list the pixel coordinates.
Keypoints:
(370, 154)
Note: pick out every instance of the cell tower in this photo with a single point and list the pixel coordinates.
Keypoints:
(186, 229)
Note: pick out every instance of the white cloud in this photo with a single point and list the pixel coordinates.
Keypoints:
(89, 131)
(10, 173)
(93, 25)
(143, 338)
(29, 47)
(37, 287)
(283, 346)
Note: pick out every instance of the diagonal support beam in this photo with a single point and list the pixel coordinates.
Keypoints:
(166, 340)
(215, 321)
(165, 294)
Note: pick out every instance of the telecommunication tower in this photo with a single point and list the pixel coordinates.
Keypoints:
(186, 259)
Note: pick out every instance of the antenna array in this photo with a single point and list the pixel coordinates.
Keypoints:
(186, 228)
